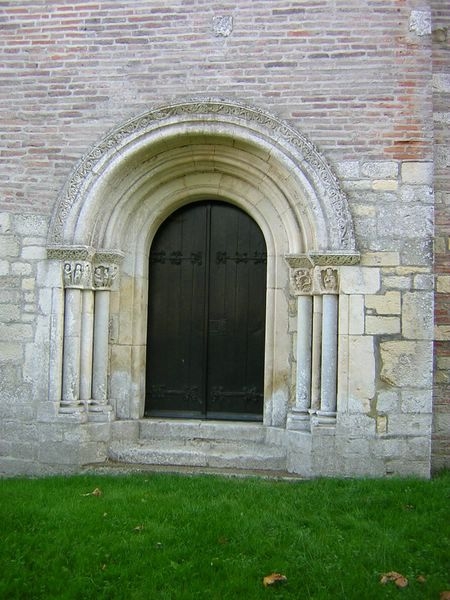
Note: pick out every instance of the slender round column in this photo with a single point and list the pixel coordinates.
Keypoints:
(329, 356)
(87, 333)
(100, 363)
(316, 353)
(72, 350)
(304, 325)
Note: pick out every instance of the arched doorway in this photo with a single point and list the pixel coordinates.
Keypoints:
(206, 317)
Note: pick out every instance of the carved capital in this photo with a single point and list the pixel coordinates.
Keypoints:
(327, 280)
(104, 276)
(77, 274)
(301, 281)
(106, 268)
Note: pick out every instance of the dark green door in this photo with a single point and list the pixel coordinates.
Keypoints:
(206, 317)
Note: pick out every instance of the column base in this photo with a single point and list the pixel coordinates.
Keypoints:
(298, 420)
(100, 412)
(323, 417)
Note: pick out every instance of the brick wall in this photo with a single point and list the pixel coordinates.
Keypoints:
(350, 74)
(441, 100)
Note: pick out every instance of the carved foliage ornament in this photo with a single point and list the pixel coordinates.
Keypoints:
(211, 110)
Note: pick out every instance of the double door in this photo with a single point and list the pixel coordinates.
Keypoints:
(206, 316)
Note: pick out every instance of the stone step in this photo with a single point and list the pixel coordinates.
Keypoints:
(193, 429)
(200, 453)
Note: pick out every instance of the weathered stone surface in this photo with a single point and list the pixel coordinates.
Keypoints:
(382, 325)
(384, 304)
(406, 363)
(359, 280)
(417, 315)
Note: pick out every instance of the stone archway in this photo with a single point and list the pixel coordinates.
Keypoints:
(113, 204)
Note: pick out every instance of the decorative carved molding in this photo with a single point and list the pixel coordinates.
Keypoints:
(212, 110)
(332, 259)
(70, 253)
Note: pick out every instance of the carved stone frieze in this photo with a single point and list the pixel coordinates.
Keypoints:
(70, 253)
(323, 259)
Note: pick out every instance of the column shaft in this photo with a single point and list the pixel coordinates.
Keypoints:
(100, 358)
(329, 356)
(87, 335)
(316, 353)
(72, 349)
(304, 325)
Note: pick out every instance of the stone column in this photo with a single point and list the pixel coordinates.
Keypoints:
(328, 282)
(87, 331)
(316, 354)
(301, 283)
(105, 273)
(77, 277)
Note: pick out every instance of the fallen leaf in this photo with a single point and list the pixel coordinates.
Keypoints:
(96, 492)
(274, 579)
(421, 579)
(445, 595)
(399, 580)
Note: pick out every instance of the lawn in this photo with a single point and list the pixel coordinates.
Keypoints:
(167, 536)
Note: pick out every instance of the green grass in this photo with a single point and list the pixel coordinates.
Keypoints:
(162, 537)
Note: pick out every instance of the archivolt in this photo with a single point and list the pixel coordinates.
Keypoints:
(140, 172)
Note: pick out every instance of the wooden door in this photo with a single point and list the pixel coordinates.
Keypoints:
(207, 290)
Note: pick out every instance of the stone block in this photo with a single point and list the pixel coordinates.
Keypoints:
(443, 284)
(418, 173)
(361, 373)
(417, 316)
(380, 169)
(387, 401)
(385, 185)
(411, 221)
(442, 333)
(380, 259)
(359, 280)
(356, 315)
(384, 304)
(417, 193)
(9, 246)
(10, 351)
(16, 331)
(416, 401)
(407, 363)
(423, 282)
(397, 282)
(348, 169)
(34, 252)
(31, 224)
(4, 267)
(382, 325)
(21, 268)
(411, 424)
(5, 223)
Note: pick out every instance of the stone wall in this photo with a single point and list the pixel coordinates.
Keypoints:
(355, 77)
(441, 102)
